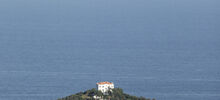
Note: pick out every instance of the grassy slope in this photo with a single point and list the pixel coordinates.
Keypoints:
(117, 94)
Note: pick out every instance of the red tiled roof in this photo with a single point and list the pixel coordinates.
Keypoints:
(101, 83)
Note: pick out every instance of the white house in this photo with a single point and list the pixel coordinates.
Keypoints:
(105, 86)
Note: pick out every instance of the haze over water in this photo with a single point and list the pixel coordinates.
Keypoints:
(163, 49)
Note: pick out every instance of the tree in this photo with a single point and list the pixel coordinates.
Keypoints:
(113, 94)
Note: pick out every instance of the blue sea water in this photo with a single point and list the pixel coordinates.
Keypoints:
(163, 49)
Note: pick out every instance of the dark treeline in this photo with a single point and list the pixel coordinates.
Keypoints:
(115, 94)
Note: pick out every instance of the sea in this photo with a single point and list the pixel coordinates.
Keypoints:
(162, 49)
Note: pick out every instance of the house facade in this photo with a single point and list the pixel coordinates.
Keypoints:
(104, 87)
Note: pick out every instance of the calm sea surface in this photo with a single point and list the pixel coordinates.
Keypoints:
(163, 49)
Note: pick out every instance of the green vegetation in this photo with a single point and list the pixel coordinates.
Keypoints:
(115, 94)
